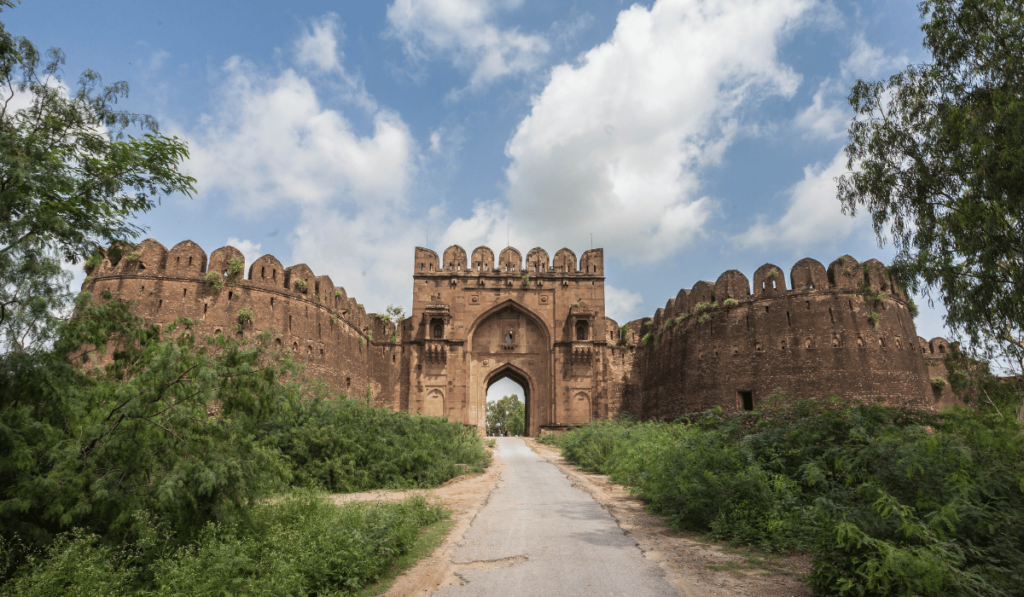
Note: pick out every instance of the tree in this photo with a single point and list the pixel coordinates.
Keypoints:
(936, 156)
(506, 417)
(70, 179)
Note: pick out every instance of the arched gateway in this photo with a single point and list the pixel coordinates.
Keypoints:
(541, 324)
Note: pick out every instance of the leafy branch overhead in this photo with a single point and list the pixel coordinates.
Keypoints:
(935, 157)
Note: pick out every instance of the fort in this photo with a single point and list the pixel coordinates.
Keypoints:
(845, 330)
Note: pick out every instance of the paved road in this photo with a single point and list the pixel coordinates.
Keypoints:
(539, 535)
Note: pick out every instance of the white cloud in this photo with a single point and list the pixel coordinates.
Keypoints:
(319, 47)
(271, 144)
(824, 122)
(867, 61)
(464, 30)
(621, 305)
(614, 145)
(814, 214)
(250, 250)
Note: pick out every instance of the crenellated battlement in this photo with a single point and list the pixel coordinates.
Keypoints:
(509, 263)
(340, 343)
(843, 330)
(479, 316)
(188, 261)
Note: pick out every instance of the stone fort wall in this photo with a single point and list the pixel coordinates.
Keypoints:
(329, 332)
(814, 338)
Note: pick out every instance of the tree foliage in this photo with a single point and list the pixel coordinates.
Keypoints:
(506, 417)
(70, 178)
(936, 155)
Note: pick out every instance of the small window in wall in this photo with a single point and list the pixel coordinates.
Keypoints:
(581, 331)
(437, 328)
(747, 399)
(508, 339)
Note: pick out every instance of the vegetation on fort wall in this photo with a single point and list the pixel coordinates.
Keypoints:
(888, 502)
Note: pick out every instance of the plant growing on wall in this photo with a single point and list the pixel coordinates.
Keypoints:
(93, 261)
(668, 324)
(704, 318)
(622, 334)
(526, 281)
(703, 306)
(645, 342)
(301, 285)
(106, 295)
(234, 271)
(133, 256)
(88, 280)
(730, 303)
(682, 317)
(873, 317)
(214, 280)
(771, 275)
(337, 294)
(938, 383)
(245, 315)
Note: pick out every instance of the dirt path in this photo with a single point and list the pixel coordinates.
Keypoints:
(691, 566)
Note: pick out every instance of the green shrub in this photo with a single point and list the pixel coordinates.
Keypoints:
(360, 307)
(772, 274)
(668, 324)
(938, 383)
(888, 501)
(704, 318)
(106, 295)
(93, 261)
(525, 281)
(245, 315)
(301, 285)
(214, 280)
(133, 256)
(88, 280)
(874, 318)
(235, 268)
(683, 317)
(623, 334)
(337, 294)
(703, 306)
(647, 340)
(912, 307)
(301, 545)
(730, 303)
(76, 564)
(344, 446)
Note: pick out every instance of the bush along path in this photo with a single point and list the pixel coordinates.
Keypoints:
(888, 502)
(195, 466)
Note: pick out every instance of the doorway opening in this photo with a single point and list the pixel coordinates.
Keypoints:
(508, 404)
(747, 398)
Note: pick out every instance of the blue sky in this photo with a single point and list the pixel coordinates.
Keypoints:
(688, 136)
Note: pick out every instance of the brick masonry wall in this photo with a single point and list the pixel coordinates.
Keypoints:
(337, 341)
(813, 340)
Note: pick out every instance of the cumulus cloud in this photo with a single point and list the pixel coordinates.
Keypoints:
(464, 30)
(614, 144)
(868, 61)
(814, 214)
(621, 304)
(272, 144)
(250, 250)
(824, 121)
(318, 46)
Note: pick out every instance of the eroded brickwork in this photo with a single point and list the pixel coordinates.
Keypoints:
(329, 332)
(845, 330)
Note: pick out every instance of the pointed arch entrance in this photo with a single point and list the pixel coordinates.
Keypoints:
(510, 341)
(510, 371)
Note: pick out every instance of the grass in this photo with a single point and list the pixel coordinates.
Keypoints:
(430, 538)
